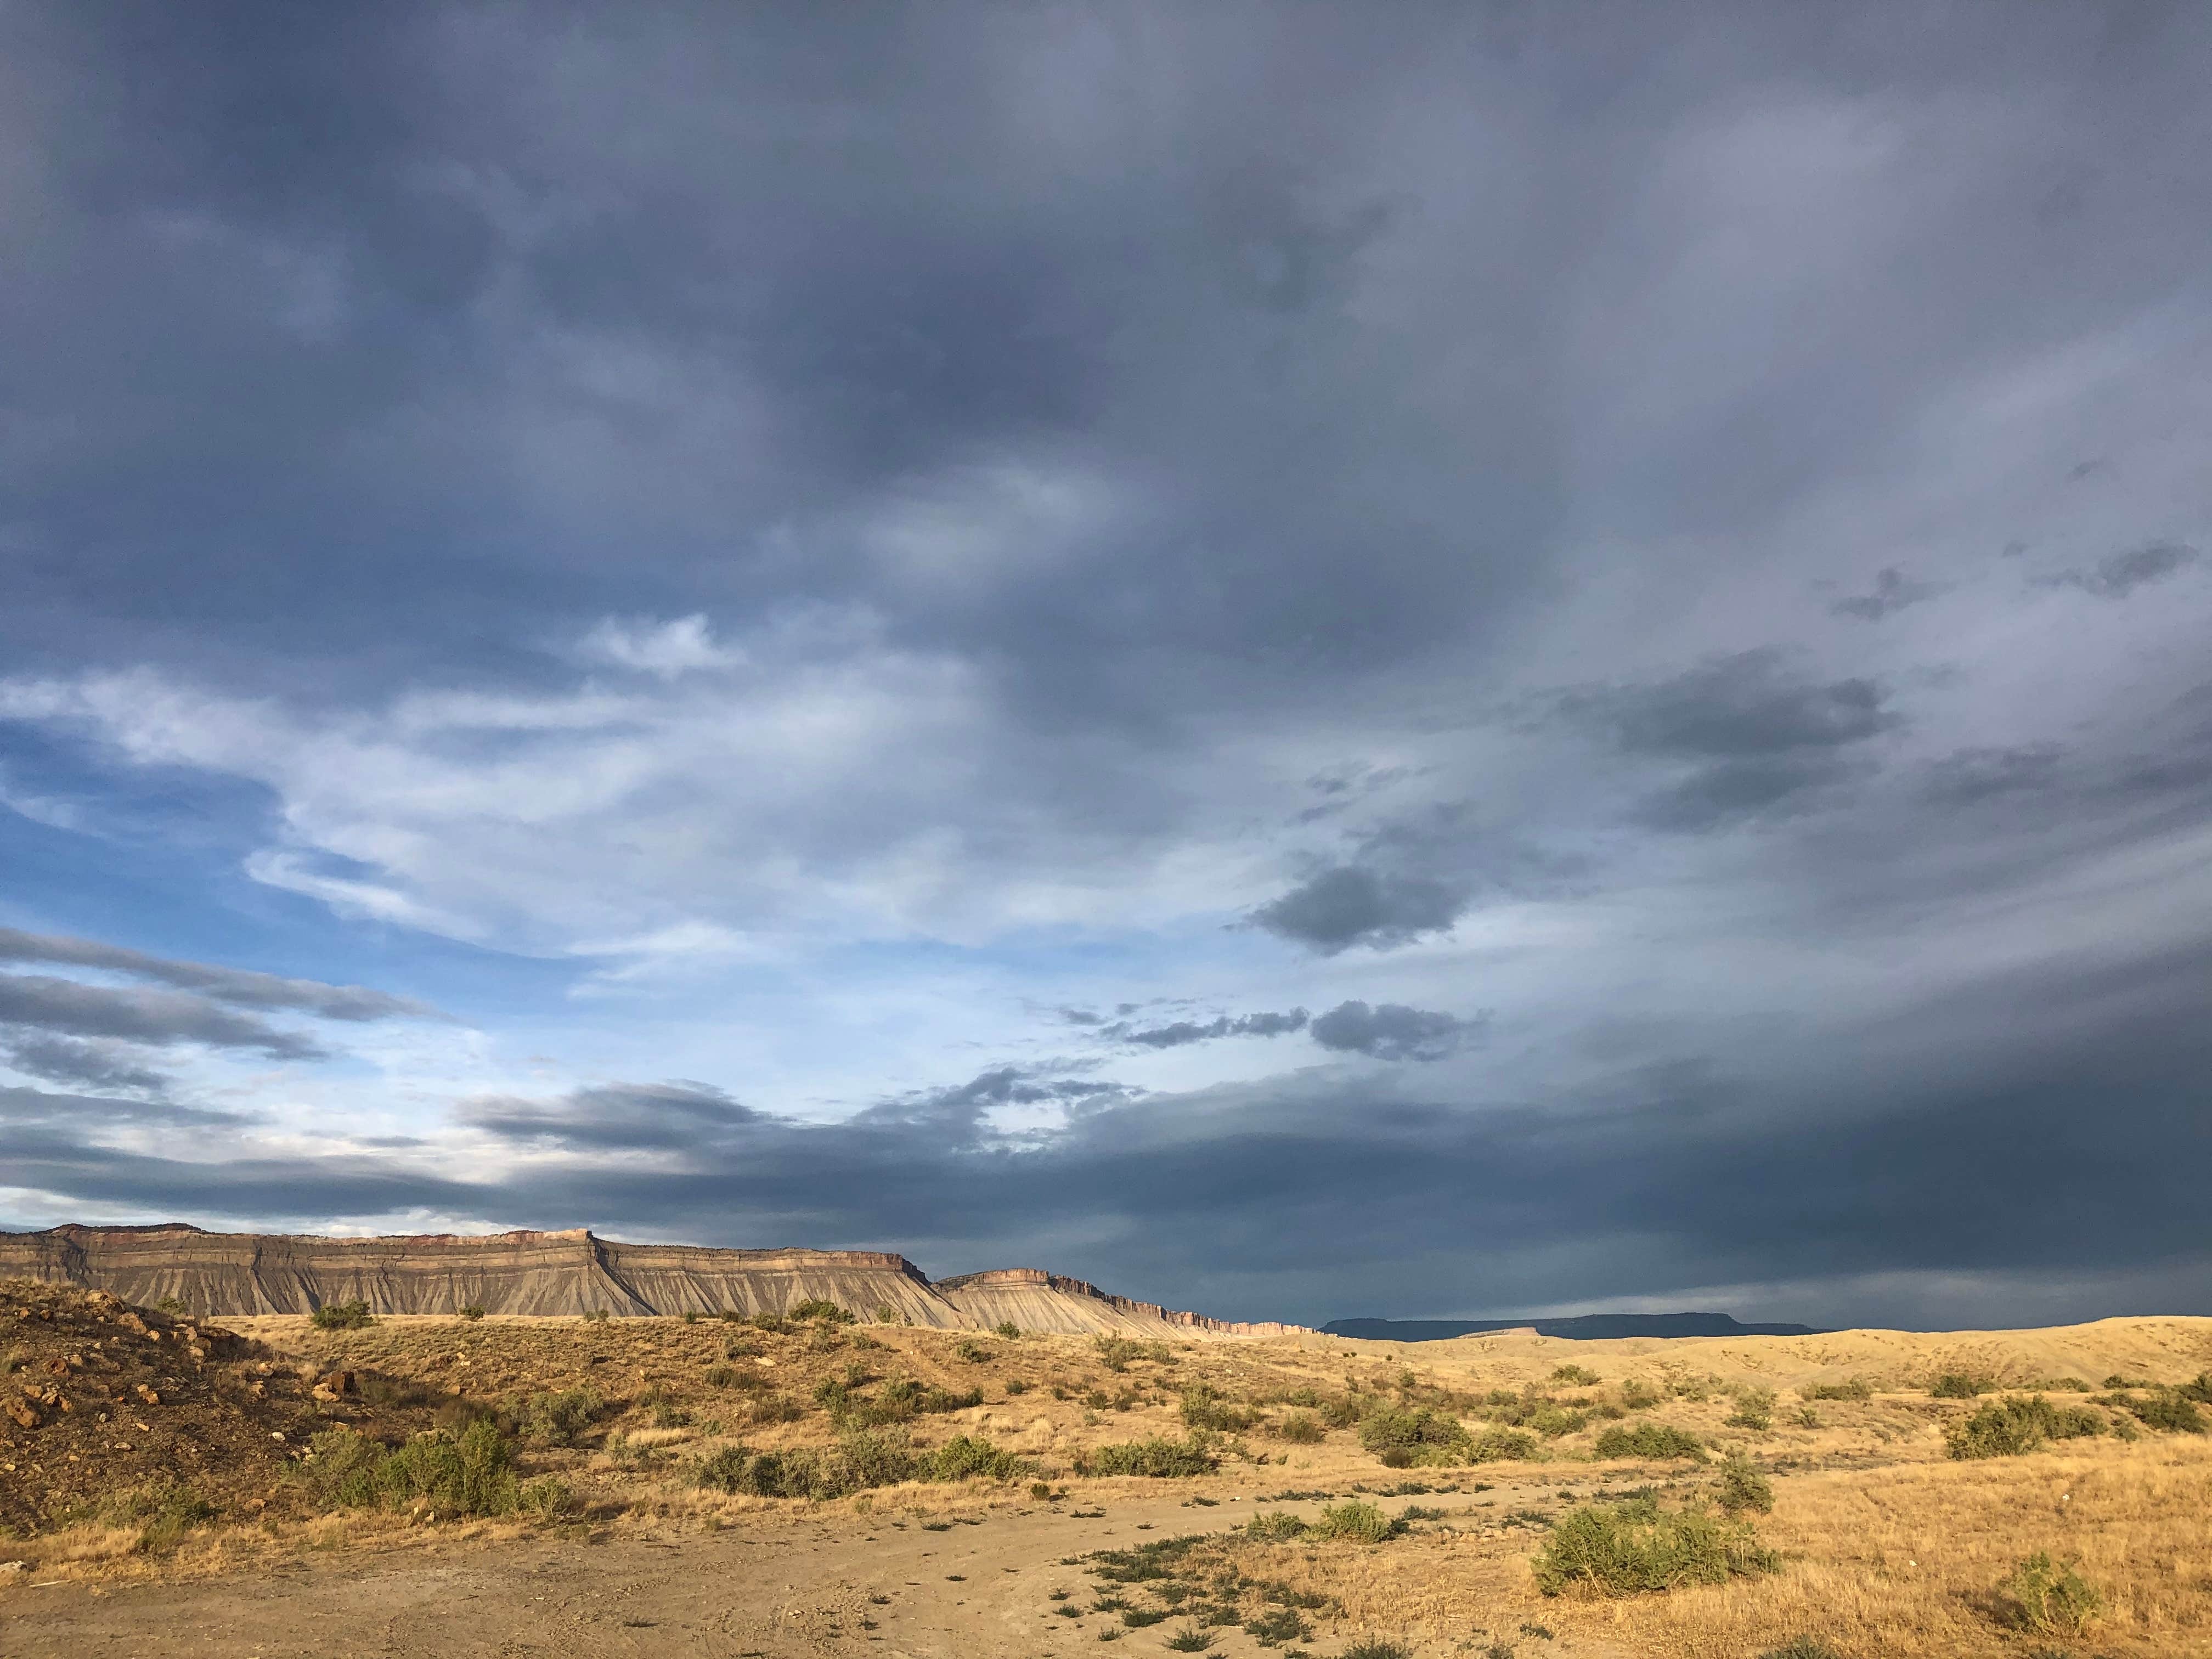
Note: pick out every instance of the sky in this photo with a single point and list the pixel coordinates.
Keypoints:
(1421, 661)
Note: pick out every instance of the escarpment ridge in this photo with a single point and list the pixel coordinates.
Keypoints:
(568, 1273)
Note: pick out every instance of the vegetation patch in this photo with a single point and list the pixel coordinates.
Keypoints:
(470, 1472)
(2048, 1598)
(1159, 1457)
(1636, 1547)
(1651, 1440)
(343, 1317)
(2019, 1423)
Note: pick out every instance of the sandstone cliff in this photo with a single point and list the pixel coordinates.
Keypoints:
(570, 1273)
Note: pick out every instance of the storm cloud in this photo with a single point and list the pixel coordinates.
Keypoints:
(793, 628)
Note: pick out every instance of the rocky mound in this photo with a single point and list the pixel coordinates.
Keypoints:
(115, 1414)
(572, 1272)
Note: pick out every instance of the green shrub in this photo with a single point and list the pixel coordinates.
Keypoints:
(1754, 1409)
(597, 1316)
(1300, 1428)
(1851, 1388)
(974, 1352)
(972, 1457)
(1190, 1640)
(1742, 1488)
(1802, 1647)
(163, 1511)
(557, 1418)
(2169, 1412)
(815, 1308)
(1160, 1458)
(2048, 1598)
(170, 1305)
(1626, 1549)
(1276, 1625)
(1356, 1522)
(343, 1317)
(1553, 1421)
(2117, 1380)
(1637, 1397)
(1575, 1376)
(2198, 1389)
(1957, 1385)
(1404, 1438)
(1205, 1409)
(469, 1473)
(1274, 1527)
(1503, 1446)
(473, 1312)
(1376, 1649)
(2017, 1423)
(548, 1496)
(1116, 1352)
(1655, 1440)
(1007, 1328)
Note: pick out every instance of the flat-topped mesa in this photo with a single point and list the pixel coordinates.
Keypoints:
(568, 1273)
(1036, 1300)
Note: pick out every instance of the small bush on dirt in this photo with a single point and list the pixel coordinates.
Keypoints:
(1160, 1458)
(548, 1496)
(1857, 1388)
(343, 1317)
(1403, 1437)
(974, 1352)
(163, 1511)
(597, 1317)
(1355, 1522)
(1741, 1488)
(557, 1418)
(468, 1474)
(1378, 1650)
(1656, 1440)
(1274, 1527)
(473, 1312)
(1189, 1639)
(1503, 1446)
(2017, 1423)
(1203, 1408)
(1754, 1409)
(972, 1457)
(1626, 1549)
(2169, 1412)
(1575, 1376)
(2199, 1388)
(1957, 1385)
(1300, 1428)
(1637, 1397)
(2117, 1380)
(815, 1308)
(1802, 1647)
(1277, 1625)
(1116, 1352)
(170, 1305)
(2049, 1599)
(1007, 1328)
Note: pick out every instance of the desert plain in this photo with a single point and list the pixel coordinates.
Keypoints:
(770, 1487)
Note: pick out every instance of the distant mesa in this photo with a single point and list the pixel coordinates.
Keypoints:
(1584, 1327)
(571, 1273)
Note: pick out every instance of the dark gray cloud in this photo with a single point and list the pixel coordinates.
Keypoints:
(1892, 591)
(1391, 1031)
(104, 1066)
(2120, 575)
(615, 1117)
(63, 1123)
(1347, 905)
(40, 1003)
(1183, 1032)
(240, 987)
(1337, 1194)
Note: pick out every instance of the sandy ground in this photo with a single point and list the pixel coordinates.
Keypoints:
(776, 1591)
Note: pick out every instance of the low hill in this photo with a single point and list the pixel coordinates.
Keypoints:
(1584, 1327)
(572, 1272)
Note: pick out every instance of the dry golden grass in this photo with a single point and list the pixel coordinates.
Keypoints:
(1878, 1562)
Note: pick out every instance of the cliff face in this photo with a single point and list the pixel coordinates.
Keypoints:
(562, 1273)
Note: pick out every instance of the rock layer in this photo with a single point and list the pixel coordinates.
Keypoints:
(570, 1273)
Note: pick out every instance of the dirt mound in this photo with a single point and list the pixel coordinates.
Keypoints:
(233, 1275)
(115, 1412)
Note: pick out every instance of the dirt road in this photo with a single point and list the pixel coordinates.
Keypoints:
(975, 1591)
